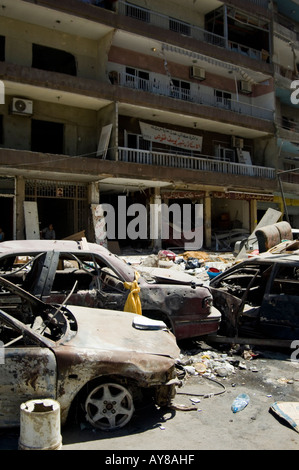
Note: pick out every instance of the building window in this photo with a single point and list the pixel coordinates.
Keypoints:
(137, 79)
(223, 99)
(225, 154)
(53, 60)
(180, 89)
(47, 137)
(2, 48)
(136, 141)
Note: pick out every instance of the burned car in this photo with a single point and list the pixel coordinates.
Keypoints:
(90, 275)
(103, 360)
(259, 297)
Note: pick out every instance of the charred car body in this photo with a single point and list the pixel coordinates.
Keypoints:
(102, 359)
(259, 297)
(92, 276)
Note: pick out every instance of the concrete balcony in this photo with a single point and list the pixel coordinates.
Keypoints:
(165, 88)
(206, 163)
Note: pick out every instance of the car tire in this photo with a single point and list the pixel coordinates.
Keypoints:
(109, 406)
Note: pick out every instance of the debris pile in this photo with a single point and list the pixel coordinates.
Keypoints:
(201, 264)
(213, 364)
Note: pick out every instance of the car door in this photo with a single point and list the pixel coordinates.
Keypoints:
(279, 312)
(27, 371)
(91, 281)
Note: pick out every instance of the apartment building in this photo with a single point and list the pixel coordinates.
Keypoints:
(177, 102)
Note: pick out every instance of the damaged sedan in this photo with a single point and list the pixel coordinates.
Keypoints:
(101, 360)
(90, 275)
(259, 297)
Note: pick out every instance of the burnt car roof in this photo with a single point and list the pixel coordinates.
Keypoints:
(27, 247)
(292, 257)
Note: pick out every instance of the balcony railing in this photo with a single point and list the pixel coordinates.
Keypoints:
(286, 73)
(167, 89)
(288, 124)
(172, 24)
(186, 29)
(208, 163)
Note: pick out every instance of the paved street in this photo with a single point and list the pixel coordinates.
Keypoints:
(268, 378)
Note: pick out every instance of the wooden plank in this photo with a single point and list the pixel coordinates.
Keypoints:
(104, 141)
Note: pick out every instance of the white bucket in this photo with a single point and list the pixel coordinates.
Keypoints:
(40, 425)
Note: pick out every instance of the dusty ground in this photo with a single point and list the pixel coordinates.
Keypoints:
(268, 378)
(271, 376)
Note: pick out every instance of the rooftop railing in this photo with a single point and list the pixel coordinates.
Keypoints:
(185, 29)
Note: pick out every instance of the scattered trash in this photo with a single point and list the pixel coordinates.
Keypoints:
(240, 402)
(180, 407)
(200, 367)
(195, 400)
(167, 255)
(193, 263)
(248, 354)
(191, 370)
(284, 380)
(213, 272)
(288, 411)
(210, 364)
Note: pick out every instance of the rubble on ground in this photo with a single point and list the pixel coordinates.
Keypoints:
(201, 264)
(214, 363)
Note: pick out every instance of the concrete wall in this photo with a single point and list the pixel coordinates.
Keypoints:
(80, 127)
(20, 36)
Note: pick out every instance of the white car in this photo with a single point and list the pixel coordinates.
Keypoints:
(102, 359)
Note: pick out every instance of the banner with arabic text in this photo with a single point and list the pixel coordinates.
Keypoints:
(171, 137)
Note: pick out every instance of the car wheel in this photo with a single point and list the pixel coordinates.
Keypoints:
(109, 406)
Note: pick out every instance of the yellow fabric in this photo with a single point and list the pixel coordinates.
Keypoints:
(133, 303)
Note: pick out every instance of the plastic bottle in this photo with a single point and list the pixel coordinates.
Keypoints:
(240, 402)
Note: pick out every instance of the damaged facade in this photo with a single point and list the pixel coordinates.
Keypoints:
(153, 100)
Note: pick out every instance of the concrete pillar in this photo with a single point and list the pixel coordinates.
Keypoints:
(20, 217)
(155, 220)
(93, 198)
(207, 220)
(253, 214)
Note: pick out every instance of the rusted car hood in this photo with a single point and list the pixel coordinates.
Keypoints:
(110, 330)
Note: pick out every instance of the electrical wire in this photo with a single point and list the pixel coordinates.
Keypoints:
(204, 395)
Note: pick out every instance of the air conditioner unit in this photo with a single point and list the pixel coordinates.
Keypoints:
(245, 87)
(22, 107)
(237, 142)
(197, 72)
